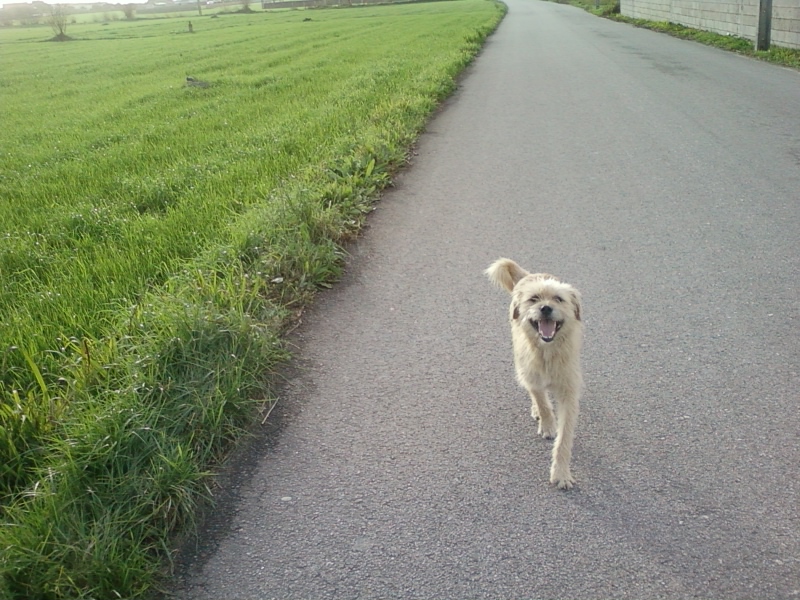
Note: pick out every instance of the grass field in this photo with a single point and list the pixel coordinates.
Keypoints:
(155, 240)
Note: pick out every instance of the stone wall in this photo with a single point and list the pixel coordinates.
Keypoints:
(728, 17)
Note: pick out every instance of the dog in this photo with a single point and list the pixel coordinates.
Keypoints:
(547, 334)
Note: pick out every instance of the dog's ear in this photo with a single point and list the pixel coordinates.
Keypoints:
(576, 303)
(505, 273)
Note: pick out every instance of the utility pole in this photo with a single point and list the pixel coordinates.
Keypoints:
(764, 24)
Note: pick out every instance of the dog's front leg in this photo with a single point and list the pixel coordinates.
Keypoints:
(566, 416)
(542, 410)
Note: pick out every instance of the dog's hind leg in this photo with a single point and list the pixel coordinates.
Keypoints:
(542, 410)
(567, 416)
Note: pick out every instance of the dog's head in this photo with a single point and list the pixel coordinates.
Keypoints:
(541, 304)
(545, 304)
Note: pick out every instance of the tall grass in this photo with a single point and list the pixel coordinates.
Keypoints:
(120, 174)
(157, 238)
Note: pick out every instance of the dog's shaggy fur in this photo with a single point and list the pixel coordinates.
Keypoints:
(546, 333)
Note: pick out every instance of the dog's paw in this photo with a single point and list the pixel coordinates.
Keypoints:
(547, 429)
(562, 480)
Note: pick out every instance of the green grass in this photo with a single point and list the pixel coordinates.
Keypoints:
(157, 240)
(788, 57)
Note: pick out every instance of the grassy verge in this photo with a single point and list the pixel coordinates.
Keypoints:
(787, 57)
(157, 240)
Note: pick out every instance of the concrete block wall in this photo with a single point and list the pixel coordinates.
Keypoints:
(728, 17)
(786, 23)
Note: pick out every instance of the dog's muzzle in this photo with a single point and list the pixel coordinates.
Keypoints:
(546, 326)
(547, 329)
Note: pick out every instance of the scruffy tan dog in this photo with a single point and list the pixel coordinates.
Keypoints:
(547, 333)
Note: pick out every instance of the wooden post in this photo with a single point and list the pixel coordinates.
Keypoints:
(764, 24)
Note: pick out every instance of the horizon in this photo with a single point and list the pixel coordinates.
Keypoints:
(118, 2)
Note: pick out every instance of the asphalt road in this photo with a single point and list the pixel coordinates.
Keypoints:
(660, 177)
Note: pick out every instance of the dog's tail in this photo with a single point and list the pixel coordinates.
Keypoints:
(505, 273)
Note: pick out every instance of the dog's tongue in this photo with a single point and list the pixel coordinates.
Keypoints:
(547, 328)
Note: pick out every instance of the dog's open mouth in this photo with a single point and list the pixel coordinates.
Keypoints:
(547, 329)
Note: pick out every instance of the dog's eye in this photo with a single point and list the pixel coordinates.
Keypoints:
(558, 299)
(535, 299)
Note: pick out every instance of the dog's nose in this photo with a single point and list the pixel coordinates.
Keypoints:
(546, 310)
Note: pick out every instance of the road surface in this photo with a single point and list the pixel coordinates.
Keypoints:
(660, 177)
